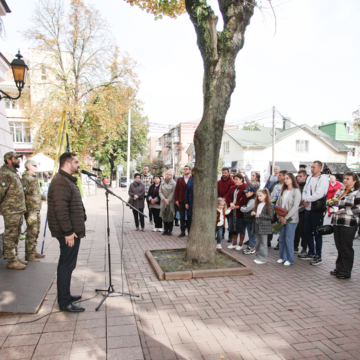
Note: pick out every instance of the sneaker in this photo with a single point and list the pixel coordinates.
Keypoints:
(316, 260)
(155, 230)
(280, 261)
(276, 247)
(219, 246)
(160, 230)
(259, 262)
(232, 246)
(238, 248)
(137, 229)
(287, 263)
(247, 249)
(142, 229)
(250, 251)
(151, 222)
(306, 257)
(247, 242)
(229, 240)
(303, 252)
(296, 250)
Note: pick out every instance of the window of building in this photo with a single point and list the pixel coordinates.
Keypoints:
(20, 132)
(302, 145)
(349, 129)
(14, 104)
(43, 72)
(352, 151)
(226, 147)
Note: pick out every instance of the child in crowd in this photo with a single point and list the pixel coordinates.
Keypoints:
(221, 213)
(263, 213)
(247, 209)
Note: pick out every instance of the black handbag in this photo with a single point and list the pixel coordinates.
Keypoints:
(325, 230)
(320, 204)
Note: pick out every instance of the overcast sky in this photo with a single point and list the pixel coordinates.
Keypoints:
(309, 69)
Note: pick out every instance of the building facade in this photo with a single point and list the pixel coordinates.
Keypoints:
(343, 131)
(252, 150)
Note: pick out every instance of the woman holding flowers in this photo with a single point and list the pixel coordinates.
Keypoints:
(289, 199)
(345, 220)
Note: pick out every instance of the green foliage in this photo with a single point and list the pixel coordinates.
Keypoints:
(113, 149)
(157, 167)
(250, 125)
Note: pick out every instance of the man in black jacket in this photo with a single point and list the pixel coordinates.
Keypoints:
(66, 217)
(300, 230)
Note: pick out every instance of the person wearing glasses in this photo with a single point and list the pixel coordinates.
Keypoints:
(33, 199)
(334, 186)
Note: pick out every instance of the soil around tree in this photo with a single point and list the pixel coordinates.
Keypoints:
(174, 260)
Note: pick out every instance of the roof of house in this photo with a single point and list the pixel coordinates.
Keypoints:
(262, 136)
(5, 5)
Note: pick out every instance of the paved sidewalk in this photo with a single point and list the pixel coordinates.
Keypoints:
(296, 312)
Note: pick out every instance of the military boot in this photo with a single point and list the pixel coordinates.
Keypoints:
(24, 262)
(31, 258)
(39, 256)
(16, 265)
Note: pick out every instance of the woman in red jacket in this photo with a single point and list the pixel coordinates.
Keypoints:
(334, 186)
(236, 198)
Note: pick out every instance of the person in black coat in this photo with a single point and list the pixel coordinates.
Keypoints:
(154, 203)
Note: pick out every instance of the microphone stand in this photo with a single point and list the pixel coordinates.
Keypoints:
(110, 290)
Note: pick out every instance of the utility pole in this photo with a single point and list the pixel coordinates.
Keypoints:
(128, 153)
(273, 142)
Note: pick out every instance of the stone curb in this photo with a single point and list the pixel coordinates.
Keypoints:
(185, 275)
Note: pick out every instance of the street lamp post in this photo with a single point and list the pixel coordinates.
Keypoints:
(19, 69)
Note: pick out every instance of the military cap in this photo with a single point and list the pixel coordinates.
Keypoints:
(31, 162)
(11, 154)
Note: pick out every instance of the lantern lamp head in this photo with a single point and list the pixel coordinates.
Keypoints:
(19, 69)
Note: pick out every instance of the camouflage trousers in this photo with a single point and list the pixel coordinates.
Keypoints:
(13, 224)
(32, 232)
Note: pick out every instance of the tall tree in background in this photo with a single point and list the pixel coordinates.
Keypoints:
(250, 125)
(218, 50)
(80, 57)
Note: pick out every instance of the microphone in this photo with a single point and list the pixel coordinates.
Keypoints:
(97, 169)
(88, 173)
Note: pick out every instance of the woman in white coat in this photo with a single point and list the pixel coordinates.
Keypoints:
(289, 199)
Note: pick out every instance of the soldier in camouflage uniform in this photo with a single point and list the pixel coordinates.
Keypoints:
(12, 207)
(33, 199)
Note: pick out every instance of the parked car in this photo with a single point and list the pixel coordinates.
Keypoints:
(123, 181)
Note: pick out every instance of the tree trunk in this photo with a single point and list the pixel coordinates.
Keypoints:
(219, 51)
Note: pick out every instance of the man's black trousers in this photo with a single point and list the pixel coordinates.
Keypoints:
(300, 232)
(184, 224)
(66, 265)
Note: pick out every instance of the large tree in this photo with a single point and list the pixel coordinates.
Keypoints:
(218, 50)
(82, 63)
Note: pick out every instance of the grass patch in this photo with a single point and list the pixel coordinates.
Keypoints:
(174, 260)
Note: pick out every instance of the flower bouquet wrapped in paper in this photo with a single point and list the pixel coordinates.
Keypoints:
(333, 202)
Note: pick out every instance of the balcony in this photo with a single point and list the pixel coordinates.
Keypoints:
(158, 146)
(176, 139)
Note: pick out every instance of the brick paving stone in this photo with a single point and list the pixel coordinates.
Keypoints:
(258, 317)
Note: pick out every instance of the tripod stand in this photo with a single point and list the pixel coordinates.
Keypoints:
(110, 290)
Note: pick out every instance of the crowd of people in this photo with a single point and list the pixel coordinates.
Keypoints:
(292, 206)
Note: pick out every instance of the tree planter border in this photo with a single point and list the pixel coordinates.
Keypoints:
(185, 275)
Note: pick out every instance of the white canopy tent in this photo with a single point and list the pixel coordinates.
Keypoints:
(46, 164)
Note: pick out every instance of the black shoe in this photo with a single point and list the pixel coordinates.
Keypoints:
(75, 297)
(306, 257)
(342, 276)
(303, 252)
(182, 234)
(230, 240)
(276, 247)
(334, 272)
(169, 233)
(72, 308)
(165, 232)
(269, 244)
(176, 223)
(247, 242)
(316, 260)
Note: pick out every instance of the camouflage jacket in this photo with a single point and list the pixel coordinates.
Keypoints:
(32, 192)
(12, 198)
